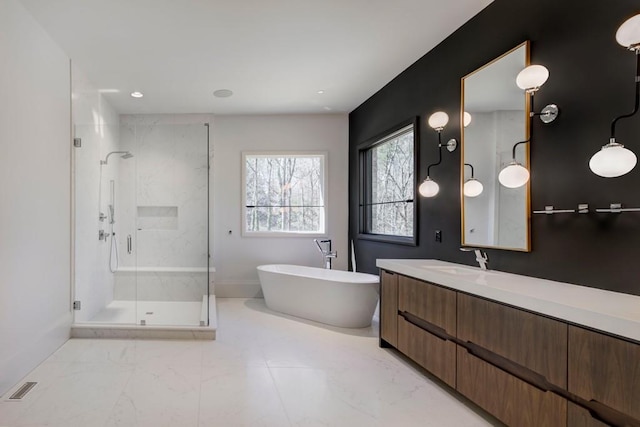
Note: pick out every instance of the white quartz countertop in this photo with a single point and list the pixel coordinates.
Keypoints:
(607, 311)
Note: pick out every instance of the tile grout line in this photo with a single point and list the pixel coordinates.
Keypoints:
(201, 381)
(284, 408)
(124, 387)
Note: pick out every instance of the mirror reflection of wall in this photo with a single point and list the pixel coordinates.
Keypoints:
(498, 216)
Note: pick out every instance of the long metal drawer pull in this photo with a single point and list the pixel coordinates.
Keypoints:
(597, 410)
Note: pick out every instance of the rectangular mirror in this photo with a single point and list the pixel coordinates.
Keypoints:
(495, 116)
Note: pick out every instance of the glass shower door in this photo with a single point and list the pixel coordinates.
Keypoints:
(170, 209)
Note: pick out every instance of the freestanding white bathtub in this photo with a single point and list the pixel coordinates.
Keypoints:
(339, 298)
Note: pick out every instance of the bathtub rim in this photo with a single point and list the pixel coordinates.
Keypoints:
(356, 279)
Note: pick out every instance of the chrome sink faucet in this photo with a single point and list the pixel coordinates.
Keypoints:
(481, 257)
(326, 252)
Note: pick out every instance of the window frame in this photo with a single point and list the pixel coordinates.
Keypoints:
(323, 155)
(365, 184)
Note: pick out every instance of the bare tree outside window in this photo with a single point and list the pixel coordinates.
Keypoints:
(284, 193)
(390, 162)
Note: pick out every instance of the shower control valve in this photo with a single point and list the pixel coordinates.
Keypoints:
(102, 235)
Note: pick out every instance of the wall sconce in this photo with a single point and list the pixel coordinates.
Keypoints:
(530, 80)
(466, 119)
(438, 120)
(472, 187)
(514, 175)
(613, 159)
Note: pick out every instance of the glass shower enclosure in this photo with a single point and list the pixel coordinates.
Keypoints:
(142, 223)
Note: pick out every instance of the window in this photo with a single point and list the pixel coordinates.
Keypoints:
(284, 193)
(387, 207)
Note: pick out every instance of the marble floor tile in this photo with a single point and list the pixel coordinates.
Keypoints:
(242, 398)
(83, 396)
(264, 369)
(165, 397)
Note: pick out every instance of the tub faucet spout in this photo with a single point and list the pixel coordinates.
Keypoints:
(326, 252)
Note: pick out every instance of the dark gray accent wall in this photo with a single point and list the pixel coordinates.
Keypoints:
(591, 80)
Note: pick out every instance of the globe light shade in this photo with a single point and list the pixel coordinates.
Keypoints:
(428, 188)
(513, 176)
(466, 119)
(532, 77)
(628, 34)
(612, 160)
(472, 188)
(438, 120)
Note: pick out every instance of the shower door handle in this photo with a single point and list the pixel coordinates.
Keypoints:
(129, 245)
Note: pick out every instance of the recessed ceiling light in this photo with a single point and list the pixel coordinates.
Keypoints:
(137, 94)
(223, 93)
(327, 108)
(320, 92)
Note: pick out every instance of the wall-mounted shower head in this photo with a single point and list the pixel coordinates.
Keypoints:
(125, 155)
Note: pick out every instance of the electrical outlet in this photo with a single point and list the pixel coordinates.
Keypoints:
(438, 236)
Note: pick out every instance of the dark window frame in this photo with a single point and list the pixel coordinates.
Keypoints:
(365, 184)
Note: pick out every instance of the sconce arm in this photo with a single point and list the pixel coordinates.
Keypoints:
(471, 166)
(513, 153)
(637, 101)
(439, 154)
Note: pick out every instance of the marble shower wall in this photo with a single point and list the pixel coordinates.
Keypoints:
(162, 204)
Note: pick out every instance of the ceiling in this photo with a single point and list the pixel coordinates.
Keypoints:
(275, 55)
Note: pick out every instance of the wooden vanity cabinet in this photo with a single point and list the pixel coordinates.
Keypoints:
(426, 318)
(523, 368)
(510, 355)
(604, 369)
(578, 416)
(388, 308)
(506, 397)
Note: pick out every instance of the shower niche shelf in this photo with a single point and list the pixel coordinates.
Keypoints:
(158, 217)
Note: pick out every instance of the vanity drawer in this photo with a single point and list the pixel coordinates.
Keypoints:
(433, 304)
(605, 369)
(436, 355)
(509, 399)
(529, 340)
(578, 416)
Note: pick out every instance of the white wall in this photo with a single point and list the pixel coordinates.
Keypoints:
(96, 123)
(236, 257)
(480, 151)
(498, 215)
(511, 203)
(35, 196)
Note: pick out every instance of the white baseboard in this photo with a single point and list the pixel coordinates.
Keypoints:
(237, 289)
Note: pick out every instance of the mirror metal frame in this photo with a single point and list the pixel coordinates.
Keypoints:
(527, 164)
